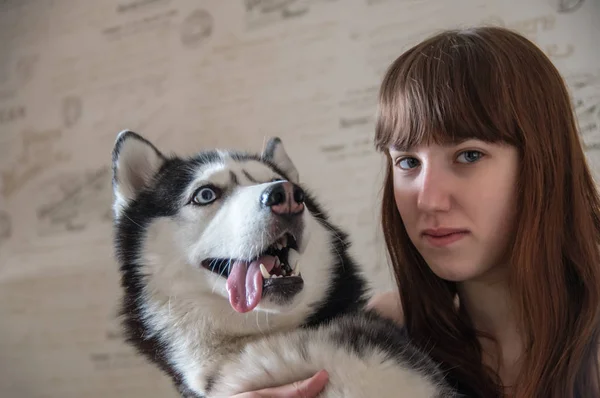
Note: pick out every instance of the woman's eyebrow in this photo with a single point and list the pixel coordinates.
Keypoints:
(400, 148)
(446, 144)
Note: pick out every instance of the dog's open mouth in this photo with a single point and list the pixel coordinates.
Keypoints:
(275, 271)
(284, 260)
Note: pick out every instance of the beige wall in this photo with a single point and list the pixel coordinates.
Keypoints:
(191, 75)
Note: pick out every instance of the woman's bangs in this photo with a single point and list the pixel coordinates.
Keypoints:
(432, 95)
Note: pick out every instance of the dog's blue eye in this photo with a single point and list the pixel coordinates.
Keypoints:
(204, 196)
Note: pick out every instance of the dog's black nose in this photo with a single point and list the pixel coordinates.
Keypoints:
(283, 198)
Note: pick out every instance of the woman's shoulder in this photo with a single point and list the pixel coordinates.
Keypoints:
(388, 304)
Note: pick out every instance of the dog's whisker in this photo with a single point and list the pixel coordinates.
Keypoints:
(334, 247)
(211, 266)
(228, 268)
(267, 318)
(258, 324)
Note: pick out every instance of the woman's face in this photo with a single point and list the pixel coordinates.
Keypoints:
(457, 203)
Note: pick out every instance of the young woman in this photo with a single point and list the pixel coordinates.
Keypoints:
(490, 216)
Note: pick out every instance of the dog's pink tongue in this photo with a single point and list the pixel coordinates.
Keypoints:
(245, 281)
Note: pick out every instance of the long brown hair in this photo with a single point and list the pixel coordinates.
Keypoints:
(493, 84)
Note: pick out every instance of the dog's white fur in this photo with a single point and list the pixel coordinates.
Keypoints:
(186, 306)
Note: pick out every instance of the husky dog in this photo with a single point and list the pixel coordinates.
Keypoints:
(234, 280)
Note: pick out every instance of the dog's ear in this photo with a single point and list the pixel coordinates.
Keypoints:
(275, 153)
(135, 161)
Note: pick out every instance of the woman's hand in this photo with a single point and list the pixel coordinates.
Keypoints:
(308, 388)
(388, 304)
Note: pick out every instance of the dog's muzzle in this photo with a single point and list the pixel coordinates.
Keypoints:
(274, 272)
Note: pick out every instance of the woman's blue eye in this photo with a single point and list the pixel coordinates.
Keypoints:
(408, 163)
(470, 156)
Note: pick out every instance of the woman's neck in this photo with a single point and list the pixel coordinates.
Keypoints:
(488, 304)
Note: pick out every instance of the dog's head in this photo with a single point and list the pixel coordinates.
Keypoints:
(229, 232)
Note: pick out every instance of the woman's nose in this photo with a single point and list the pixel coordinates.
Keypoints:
(434, 190)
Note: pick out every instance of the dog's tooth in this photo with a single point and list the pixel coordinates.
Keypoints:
(264, 272)
(277, 261)
(284, 241)
(296, 270)
(293, 257)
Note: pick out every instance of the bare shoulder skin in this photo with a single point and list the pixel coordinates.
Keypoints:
(388, 304)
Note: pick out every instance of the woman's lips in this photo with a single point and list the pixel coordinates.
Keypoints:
(441, 237)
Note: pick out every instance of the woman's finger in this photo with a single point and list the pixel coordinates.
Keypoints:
(308, 388)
